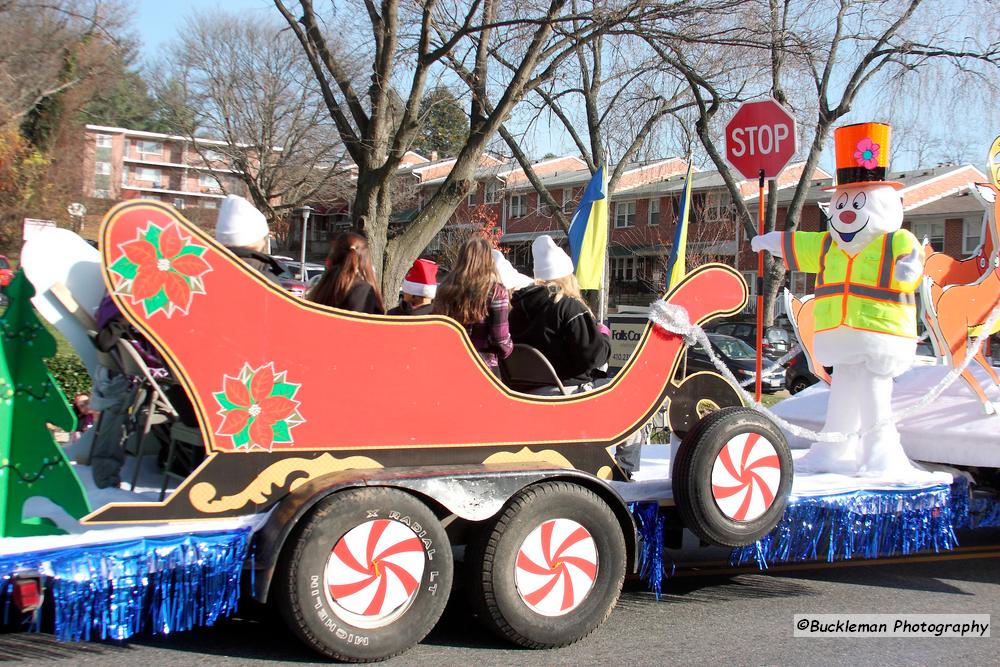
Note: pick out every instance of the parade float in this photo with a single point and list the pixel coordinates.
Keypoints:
(348, 455)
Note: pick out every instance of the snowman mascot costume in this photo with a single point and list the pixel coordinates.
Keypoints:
(868, 269)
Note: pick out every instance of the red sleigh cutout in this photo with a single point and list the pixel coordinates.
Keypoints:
(286, 390)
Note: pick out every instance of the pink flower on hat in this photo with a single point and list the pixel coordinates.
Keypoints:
(866, 153)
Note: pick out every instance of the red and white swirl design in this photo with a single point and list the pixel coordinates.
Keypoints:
(374, 572)
(556, 567)
(746, 476)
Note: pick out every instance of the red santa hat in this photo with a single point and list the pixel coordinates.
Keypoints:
(421, 279)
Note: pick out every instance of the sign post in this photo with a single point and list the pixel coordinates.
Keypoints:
(760, 140)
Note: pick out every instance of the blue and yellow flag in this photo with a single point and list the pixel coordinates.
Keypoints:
(588, 233)
(675, 269)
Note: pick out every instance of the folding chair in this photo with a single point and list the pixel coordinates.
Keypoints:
(527, 369)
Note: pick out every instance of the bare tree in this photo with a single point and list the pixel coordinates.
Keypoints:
(50, 46)
(242, 81)
(407, 44)
(819, 58)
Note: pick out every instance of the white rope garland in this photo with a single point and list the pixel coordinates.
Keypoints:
(674, 319)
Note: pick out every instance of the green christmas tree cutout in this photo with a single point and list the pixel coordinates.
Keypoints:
(31, 462)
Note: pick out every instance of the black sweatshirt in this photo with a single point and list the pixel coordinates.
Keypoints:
(564, 332)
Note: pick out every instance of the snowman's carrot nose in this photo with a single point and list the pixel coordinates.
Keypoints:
(848, 216)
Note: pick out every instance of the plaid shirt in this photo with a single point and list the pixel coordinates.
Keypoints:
(491, 335)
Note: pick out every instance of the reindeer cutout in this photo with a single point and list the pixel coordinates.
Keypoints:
(800, 314)
(959, 295)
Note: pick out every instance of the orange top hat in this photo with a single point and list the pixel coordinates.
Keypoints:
(862, 155)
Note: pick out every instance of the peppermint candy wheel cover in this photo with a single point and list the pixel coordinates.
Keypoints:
(746, 477)
(556, 567)
(374, 572)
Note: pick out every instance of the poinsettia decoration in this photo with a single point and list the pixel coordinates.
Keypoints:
(161, 269)
(258, 408)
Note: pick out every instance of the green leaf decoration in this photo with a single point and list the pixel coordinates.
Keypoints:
(285, 389)
(153, 236)
(192, 250)
(125, 268)
(242, 439)
(158, 301)
(280, 431)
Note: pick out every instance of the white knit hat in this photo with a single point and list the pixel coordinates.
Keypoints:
(551, 261)
(239, 223)
(511, 278)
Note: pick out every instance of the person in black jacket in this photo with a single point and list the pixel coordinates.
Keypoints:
(349, 283)
(243, 230)
(419, 289)
(552, 317)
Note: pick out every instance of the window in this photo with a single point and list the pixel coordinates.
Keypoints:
(751, 278)
(933, 231)
(567, 200)
(207, 180)
(623, 269)
(103, 168)
(213, 156)
(210, 203)
(102, 194)
(624, 214)
(104, 141)
(178, 203)
(150, 148)
(654, 212)
(492, 193)
(716, 204)
(518, 206)
(970, 236)
(470, 199)
(148, 174)
(125, 175)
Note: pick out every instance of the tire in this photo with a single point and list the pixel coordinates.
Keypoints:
(733, 499)
(521, 594)
(697, 396)
(320, 578)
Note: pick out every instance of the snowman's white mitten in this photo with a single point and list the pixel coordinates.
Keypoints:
(909, 267)
(770, 242)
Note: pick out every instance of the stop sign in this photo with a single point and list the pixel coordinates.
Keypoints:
(761, 135)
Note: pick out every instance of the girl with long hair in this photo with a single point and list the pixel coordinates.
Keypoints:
(474, 295)
(349, 282)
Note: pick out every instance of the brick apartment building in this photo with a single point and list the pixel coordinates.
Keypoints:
(938, 204)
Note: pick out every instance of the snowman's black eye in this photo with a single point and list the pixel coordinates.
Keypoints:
(842, 201)
(859, 201)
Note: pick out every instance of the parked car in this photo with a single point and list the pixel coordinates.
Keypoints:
(777, 341)
(739, 357)
(6, 273)
(797, 374)
(312, 270)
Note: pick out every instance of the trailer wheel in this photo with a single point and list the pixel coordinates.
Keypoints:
(732, 477)
(368, 575)
(549, 569)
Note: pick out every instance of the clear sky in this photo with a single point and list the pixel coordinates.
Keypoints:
(158, 21)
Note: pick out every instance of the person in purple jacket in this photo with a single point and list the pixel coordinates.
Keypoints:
(474, 295)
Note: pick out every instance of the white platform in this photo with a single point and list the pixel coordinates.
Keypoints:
(652, 482)
(954, 429)
(147, 490)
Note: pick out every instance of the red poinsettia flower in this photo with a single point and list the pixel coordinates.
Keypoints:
(256, 404)
(164, 267)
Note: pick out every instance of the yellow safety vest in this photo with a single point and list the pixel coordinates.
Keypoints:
(859, 292)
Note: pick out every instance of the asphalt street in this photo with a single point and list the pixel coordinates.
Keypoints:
(739, 619)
